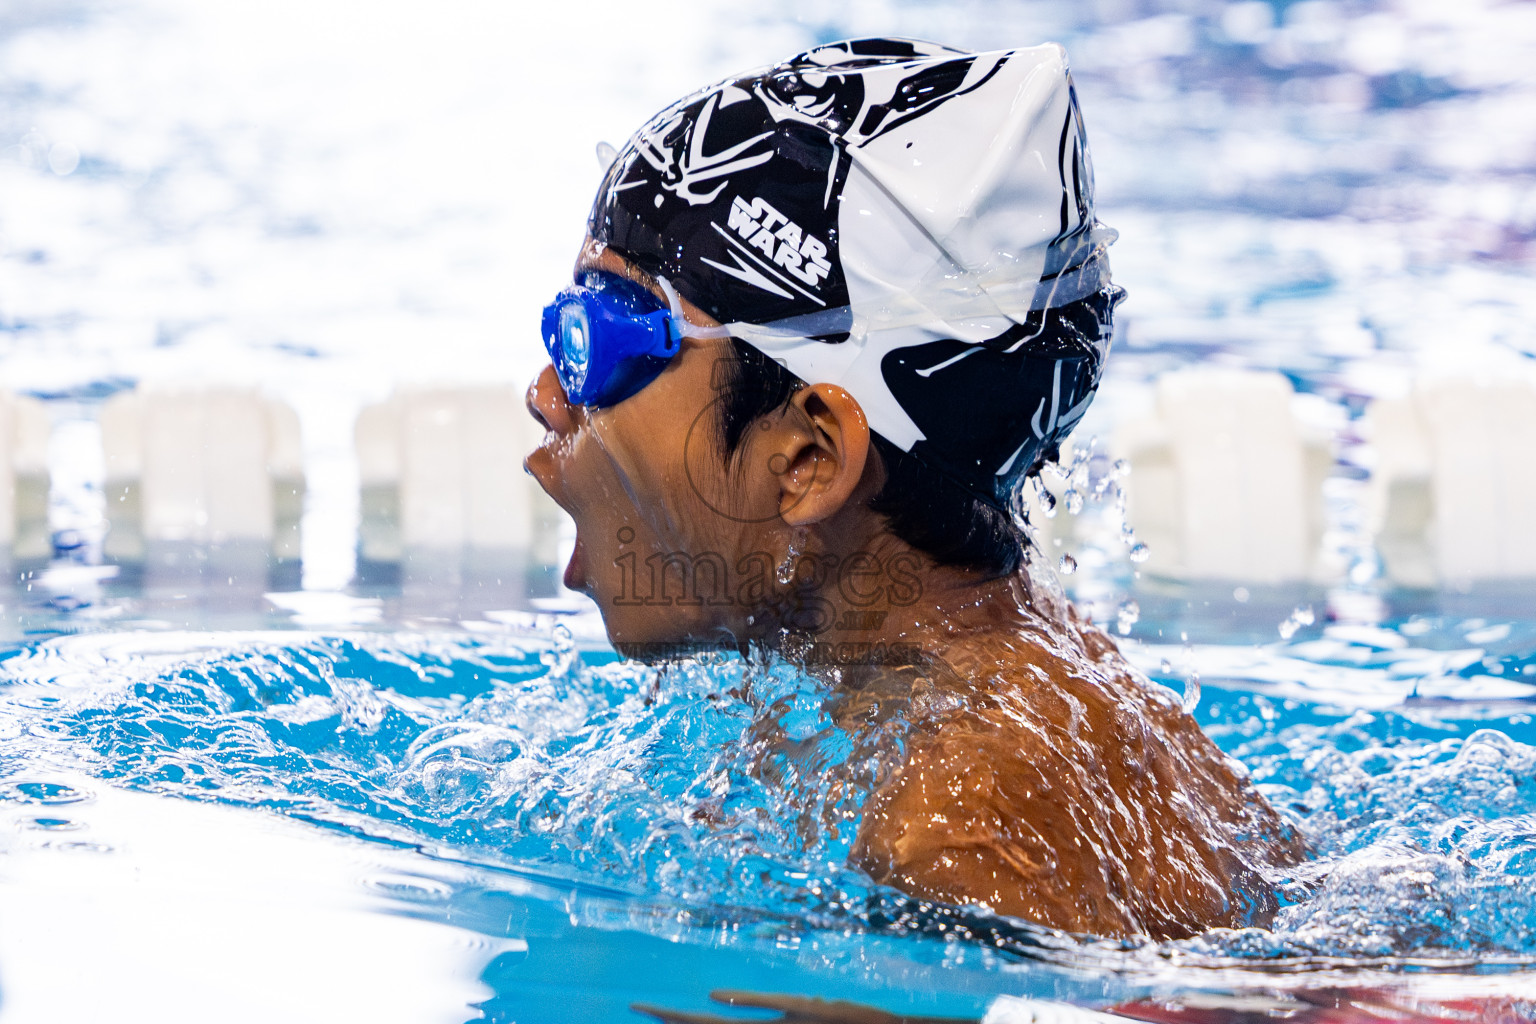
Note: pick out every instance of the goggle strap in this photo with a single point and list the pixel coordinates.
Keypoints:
(680, 328)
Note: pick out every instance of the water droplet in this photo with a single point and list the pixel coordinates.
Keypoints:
(1126, 617)
(1122, 468)
(562, 657)
(1140, 553)
(1074, 501)
(1067, 566)
(561, 634)
(1302, 615)
(1045, 499)
(1240, 595)
(1191, 693)
(1365, 567)
(63, 158)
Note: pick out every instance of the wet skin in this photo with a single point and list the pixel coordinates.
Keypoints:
(1041, 776)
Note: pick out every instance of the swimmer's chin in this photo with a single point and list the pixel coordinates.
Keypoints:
(662, 649)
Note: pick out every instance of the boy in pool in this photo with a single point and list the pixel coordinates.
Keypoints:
(829, 316)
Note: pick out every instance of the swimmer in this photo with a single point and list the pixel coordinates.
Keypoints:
(828, 318)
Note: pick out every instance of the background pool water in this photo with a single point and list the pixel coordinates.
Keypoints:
(327, 201)
(332, 802)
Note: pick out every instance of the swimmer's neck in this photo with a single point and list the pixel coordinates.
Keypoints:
(878, 592)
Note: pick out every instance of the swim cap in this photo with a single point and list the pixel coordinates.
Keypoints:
(897, 218)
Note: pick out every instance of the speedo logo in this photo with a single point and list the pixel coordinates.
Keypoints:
(780, 239)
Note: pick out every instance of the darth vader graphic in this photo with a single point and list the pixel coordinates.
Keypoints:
(774, 138)
(918, 208)
(1032, 395)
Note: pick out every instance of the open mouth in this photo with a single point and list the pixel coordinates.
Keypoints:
(575, 576)
(536, 464)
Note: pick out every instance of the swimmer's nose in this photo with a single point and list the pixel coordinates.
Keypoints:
(547, 403)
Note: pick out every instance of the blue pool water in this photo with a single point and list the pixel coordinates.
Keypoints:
(600, 815)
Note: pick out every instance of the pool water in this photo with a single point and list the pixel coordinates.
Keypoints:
(326, 803)
(613, 833)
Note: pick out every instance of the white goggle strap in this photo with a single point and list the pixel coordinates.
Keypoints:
(680, 326)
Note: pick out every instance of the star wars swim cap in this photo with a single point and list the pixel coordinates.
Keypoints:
(897, 218)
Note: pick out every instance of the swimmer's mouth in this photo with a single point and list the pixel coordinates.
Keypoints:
(575, 577)
(536, 465)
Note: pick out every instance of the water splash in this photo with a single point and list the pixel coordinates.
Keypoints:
(1191, 698)
(1301, 615)
(723, 782)
(1425, 833)
(1044, 499)
(1127, 616)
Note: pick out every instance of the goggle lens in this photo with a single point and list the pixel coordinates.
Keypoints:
(575, 342)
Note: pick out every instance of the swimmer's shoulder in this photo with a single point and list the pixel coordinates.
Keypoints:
(989, 803)
(966, 819)
(1052, 782)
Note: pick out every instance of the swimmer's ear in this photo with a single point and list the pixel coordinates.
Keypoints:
(822, 453)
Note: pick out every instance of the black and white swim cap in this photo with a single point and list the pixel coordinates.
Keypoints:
(897, 218)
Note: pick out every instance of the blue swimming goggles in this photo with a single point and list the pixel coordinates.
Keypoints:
(608, 337)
